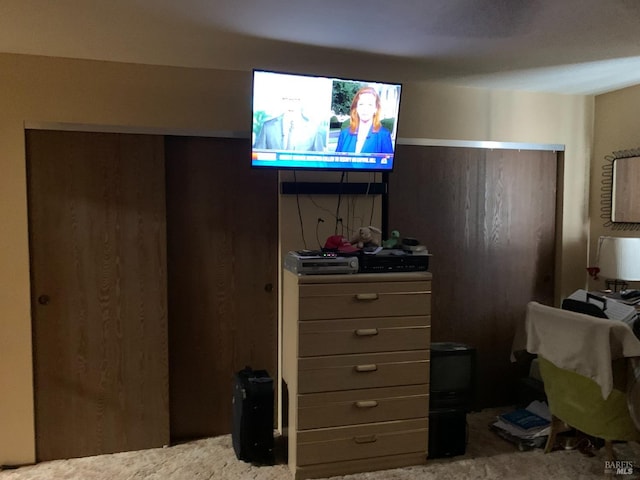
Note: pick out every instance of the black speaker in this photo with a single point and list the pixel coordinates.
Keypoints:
(448, 433)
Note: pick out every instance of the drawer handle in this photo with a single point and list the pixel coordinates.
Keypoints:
(366, 297)
(366, 332)
(366, 404)
(366, 368)
(365, 439)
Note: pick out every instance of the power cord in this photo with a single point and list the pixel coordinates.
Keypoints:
(320, 220)
(373, 198)
(338, 206)
(304, 242)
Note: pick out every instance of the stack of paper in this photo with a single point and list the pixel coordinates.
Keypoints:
(526, 423)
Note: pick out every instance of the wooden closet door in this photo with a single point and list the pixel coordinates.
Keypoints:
(222, 227)
(98, 272)
(488, 217)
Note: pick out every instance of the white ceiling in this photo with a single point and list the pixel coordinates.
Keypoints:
(563, 46)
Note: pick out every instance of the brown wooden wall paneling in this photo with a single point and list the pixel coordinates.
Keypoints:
(488, 217)
(222, 250)
(98, 271)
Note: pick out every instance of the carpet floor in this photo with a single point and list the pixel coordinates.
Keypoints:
(487, 456)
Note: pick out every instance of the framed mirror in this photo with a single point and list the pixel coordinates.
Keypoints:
(620, 200)
(625, 190)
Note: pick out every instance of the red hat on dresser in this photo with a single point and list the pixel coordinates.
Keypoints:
(339, 243)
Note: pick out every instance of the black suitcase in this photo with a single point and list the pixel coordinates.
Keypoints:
(252, 432)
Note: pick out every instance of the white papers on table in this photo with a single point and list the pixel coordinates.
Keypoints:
(614, 310)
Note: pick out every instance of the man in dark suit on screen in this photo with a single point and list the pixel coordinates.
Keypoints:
(291, 130)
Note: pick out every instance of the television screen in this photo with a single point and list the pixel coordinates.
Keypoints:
(314, 122)
(451, 373)
(452, 377)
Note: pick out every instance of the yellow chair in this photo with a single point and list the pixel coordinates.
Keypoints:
(577, 401)
(586, 370)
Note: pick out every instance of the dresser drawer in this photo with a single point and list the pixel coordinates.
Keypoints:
(352, 407)
(379, 299)
(362, 441)
(363, 335)
(347, 372)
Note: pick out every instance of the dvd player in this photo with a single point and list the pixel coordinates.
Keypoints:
(388, 261)
(303, 263)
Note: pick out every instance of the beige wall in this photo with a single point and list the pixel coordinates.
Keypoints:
(617, 127)
(37, 89)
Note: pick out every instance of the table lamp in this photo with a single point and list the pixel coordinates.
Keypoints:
(619, 261)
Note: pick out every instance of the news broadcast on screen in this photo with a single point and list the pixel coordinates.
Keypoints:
(325, 123)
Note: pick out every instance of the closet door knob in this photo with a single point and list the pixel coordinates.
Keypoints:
(44, 299)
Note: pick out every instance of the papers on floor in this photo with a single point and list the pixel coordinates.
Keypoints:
(526, 423)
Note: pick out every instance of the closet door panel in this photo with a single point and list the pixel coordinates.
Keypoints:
(223, 270)
(488, 217)
(98, 270)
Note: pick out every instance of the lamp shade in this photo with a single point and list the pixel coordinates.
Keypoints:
(619, 258)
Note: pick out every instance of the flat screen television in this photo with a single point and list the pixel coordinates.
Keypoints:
(315, 122)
